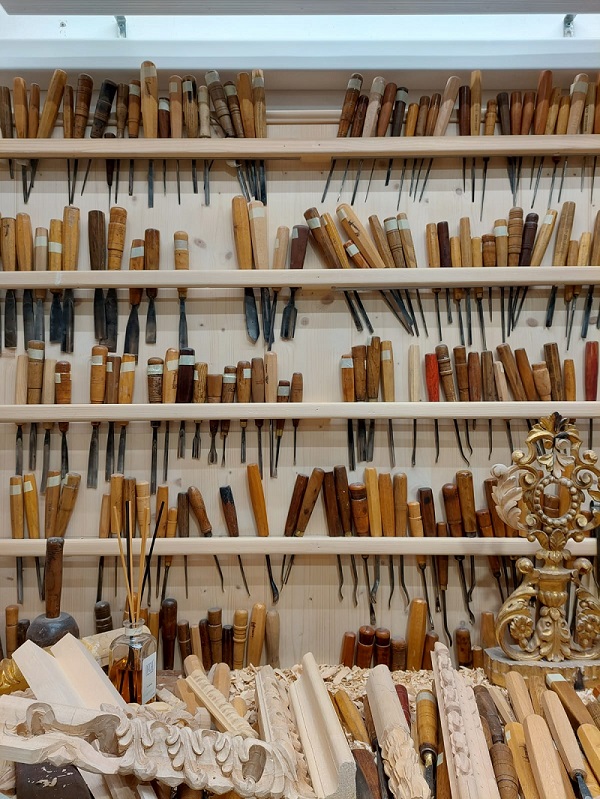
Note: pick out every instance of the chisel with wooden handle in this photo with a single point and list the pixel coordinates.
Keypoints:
(97, 252)
(47, 399)
(32, 517)
(97, 391)
(21, 111)
(185, 390)
(116, 246)
(198, 508)
(348, 108)
(565, 741)
(54, 97)
(111, 393)
(6, 122)
(561, 249)
(104, 103)
(227, 397)
(416, 531)
(24, 247)
(132, 331)
(125, 397)
(243, 248)
(191, 118)
(17, 516)
(388, 104)
(309, 500)
(8, 248)
(62, 376)
(164, 131)
(70, 261)
(370, 124)
(447, 383)
(260, 127)
(149, 109)
(258, 235)
(66, 503)
(259, 511)
(334, 522)
(446, 106)
(199, 397)
(151, 263)
(40, 264)
(83, 99)
(433, 111)
(297, 255)
(360, 517)
(231, 522)
(35, 373)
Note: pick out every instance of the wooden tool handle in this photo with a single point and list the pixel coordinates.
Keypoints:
(474, 374)
(244, 92)
(500, 380)
(552, 358)
(448, 100)
(400, 486)
(544, 91)
(515, 235)
(432, 113)
(541, 378)
(116, 237)
(445, 372)
(183, 515)
(17, 508)
(373, 503)
(243, 381)
(578, 96)
(24, 243)
(280, 253)
(258, 101)
(295, 505)
(427, 723)
(359, 356)
(591, 371)
(63, 383)
(257, 500)
(35, 371)
(66, 503)
(126, 380)
(349, 105)
(308, 501)
(240, 625)
(54, 97)
(573, 704)
(563, 734)
(53, 573)
(359, 508)
(332, 515)
(343, 498)
(198, 508)
(543, 237)
(569, 380)
(432, 377)
(20, 107)
(272, 635)
(512, 373)
(258, 380)
(256, 634)
(462, 373)
(204, 113)
(83, 99)
(453, 510)
(219, 101)
(516, 112)
(113, 372)
(169, 383)
(487, 709)
(241, 232)
(200, 382)
(425, 496)
(416, 628)
(149, 99)
(185, 375)
(543, 758)
(464, 111)
(233, 103)
(388, 390)
(98, 374)
(563, 234)
(374, 106)
(106, 95)
(387, 105)
(357, 232)
(526, 374)
(97, 240)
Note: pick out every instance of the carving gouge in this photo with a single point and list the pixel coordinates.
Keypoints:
(108, 89)
(97, 391)
(454, 523)
(591, 381)
(375, 524)
(282, 241)
(116, 246)
(334, 522)
(125, 397)
(348, 108)
(447, 381)
(360, 517)
(17, 511)
(343, 499)
(373, 380)
(47, 120)
(132, 331)
(427, 726)
(6, 122)
(259, 511)
(231, 520)
(198, 508)
(9, 264)
(383, 121)
(416, 531)
(447, 104)
(293, 511)
(154, 372)
(308, 504)
(185, 390)
(32, 517)
(297, 256)
(397, 122)
(243, 249)
(200, 387)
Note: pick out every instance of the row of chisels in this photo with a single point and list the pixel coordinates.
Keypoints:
(547, 111)
(214, 109)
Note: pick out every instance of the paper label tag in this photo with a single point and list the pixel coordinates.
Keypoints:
(134, 89)
(173, 87)
(440, 757)
(230, 89)
(187, 360)
(247, 374)
(57, 377)
(283, 391)
(16, 489)
(550, 678)
(403, 224)
(155, 369)
(27, 486)
(549, 219)
(148, 678)
(401, 96)
(229, 378)
(55, 246)
(137, 252)
(501, 230)
(181, 244)
(581, 87)
(355, 83)
(41, 241)
(163, 104)
(347, 363)
(386, 355)
(187, 86)
(53, 481)
(341, 212)
(256, 212)
(352, 250)
(128, 366)
(390, 224)
(172, 365)
(97, 360)
(35, 355)
(313, 223)
(258, 82)
(109, 366)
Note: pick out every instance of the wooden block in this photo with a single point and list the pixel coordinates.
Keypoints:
(44, 675)
(589, 738)
(519, 695)
(80, 667)
(515, 739)
(543, 758)
(576, 711)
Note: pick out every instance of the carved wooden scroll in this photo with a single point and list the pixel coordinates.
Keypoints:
(330, 763)
(469, 765)
(401, 761)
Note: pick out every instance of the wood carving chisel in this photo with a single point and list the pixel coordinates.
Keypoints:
(24, 246)
(47, 120)
(373, 380)
(21, 112)
(149, 108)
(164, 132)
(227, 397)
(235, 111)
(400, 104)
(97, 253)
(70, 261)
(596, 130)
(47, 399)
(116, 246)
(527, 243)
(258, 395)
(151, 262)
(388, 392)
(83, 99)
(421, 122)
(561, 248)
(443, 235)
(334, 522)
(6, 122)
(204, 133)
(565, 741)
(243, 248)
(433, 262)
(125, 397)
(199, 397)
(296, 396)
(356, 130)
(348, 108)
(475, 120)
(360, 517)
(8, 247)
(578, 94)
(414, 391)
(491, 114)
(462, 383)
(17, 515)
(176, 119)
(259, 511)
(583, 252)
(260, 127)
(182, 262)
(103, 533)
(214, 392)
(427, 727)
(231, 520)
(132, 330)
(309, 499)
(246, 105)
(110, 169)
(40, 262)
(562, 121)
(457, 293)
(587, 124)
(282, 241)
(104, 103)
(297, 256)
(455, 528)
(283, 395)
(466, 496)
(429, 524)
(258, 230)
(291, 520)
(170, 532)
(63, 397)
(347, 374)
(271, 383)
(383, 122)
(243, 389)
(111, 394)
(198, 508)
(32, 517)
(443, 118)
(412, 116)
(375, 524)
(154, 372)
(359, 356)
(432, 383)
(185, 390)
(97, 392)
(191, 119)
(183, 530)
(169, 389)
(503, 396)
(416, 531)
(22, 368)
(35, 373)
(389, 242)
(447, 382)
(122, 109)
(430, 123)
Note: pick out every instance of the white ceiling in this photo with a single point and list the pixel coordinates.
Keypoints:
(295, 7)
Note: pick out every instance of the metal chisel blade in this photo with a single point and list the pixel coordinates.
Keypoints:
(183, 327)
(111, 312)
(39, 328)
(151, 322)
(45, 461)
(92, 470)
(56, 319)
(10, 320)
(99, 316)
(32, 446)
(68, 323)
(265, 309)
(28, 324)
(132, 332)
(251, 314)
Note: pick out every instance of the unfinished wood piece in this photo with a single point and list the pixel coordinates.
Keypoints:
(589, 738)
(79, 666)
(219, 708)
(576, 711)
(563, 735)
(331, 766)
(44, 675)
(400, 758)
(543, 758)
(469, 765)
(519, 695)
(276, 724)
(515, 739)
(502, 706)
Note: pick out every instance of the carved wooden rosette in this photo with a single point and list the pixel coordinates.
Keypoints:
(532, 624)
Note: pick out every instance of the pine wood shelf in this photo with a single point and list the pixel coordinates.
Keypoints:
(307, 545)
(323, 279)
(304, 150)
(146, 412)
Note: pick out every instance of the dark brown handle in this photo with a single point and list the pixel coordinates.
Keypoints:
(334, 523)
(108, 89)
(452, 508)
(373, 367)
(507, 359)
(462, 373)
(295, 504)
(205, 644)
(359, 507)
(425, 496)
(168, 629)
(516, 113)
(464, 111)
(399, 109)
(364, 650)
(349, 105)
(444, 244)
(359, 361)
(343, 497)
(298, 246)
(503, 113)
(229, 511)
(53, 574)
(183, 515)
(103, 617)
(487, 709)
(97, 240)
(183, 637)
(358, 122)
(488, 383)
(528, 239)
(83, 99)
(347, 650)
(185, 375)
(198, 508)
(552, 359)
(155, 379)
(310, 497)
(445, 371)
(215, 633)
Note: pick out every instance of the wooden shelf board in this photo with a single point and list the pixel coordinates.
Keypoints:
(324, 279)
(297, 149)
(145, 412)
(308, 545)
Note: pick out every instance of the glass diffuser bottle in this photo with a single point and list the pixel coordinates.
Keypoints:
(132, 663)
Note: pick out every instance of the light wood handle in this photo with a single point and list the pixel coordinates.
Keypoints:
(271, 380)
(552, 358)
(350, 716)
(241, 232)
(309, 500)
(400, 485)
(386, 504)
(272, 635)
(388, 390)
(257, 500)
(198, 508)
(543, 758)
(563, 734)
(375, 98)
(384, 242)
(258, 232)
(579, 90)
(52, 499)
(373, 504)
(507, 358)
(543, 237)
(24, 243)
(563, 234)
(256, 634)
(52, 103)
(66, 503)
(541, 378)
(526, 374)
(448, 100)
(149, 99)
(17, 508)
(356, 231)
(282, 242)
(70, 239)
(416, 628)
(519, 696)
(576, 710)
(445, 372)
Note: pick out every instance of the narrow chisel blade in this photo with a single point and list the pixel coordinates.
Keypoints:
(251, 314)
(99, 316)
(56, 320)
(10, 320)
(28, 323)
(112, 316)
